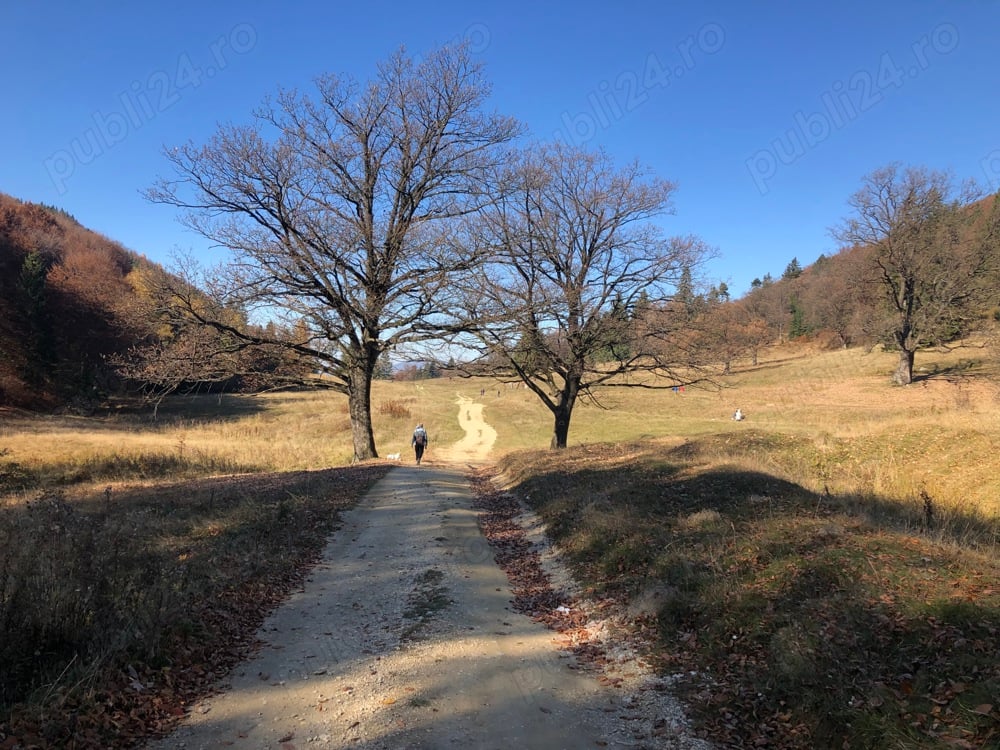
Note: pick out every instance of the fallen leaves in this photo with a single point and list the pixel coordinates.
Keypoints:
(124, 704)
(834, 631)
(533, 592)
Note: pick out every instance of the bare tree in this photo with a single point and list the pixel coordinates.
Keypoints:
(727, 331)
(336, 210)
(574, 256)
(840, 295)
(931, 247)
(755, 331)
(172, 354)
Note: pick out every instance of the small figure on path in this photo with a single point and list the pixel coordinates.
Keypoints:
(738, 416)
(419, 441)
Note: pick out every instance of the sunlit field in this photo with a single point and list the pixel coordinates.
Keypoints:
(846, 528)
(846, 427)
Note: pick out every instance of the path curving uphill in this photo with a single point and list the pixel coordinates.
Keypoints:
(479, 437)
(404, 636)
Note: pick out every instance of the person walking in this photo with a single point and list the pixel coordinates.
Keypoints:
(419, 441)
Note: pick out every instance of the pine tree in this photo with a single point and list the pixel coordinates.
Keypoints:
(383, 369)
(793, 270)
(38, 340)
(797, 327)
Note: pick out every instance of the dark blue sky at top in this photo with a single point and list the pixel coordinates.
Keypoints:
(766, 115)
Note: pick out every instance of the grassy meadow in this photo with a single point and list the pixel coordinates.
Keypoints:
(828, 566)
(845, 427)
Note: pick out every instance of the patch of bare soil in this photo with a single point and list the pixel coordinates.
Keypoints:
(409, 635)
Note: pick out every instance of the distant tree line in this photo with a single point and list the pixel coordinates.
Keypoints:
(397, 218)
(415, 371)
(82, 318)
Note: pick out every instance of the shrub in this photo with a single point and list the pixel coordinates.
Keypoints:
(395, 409)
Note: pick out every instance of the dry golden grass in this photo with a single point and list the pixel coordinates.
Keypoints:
(815, 498)
(857, 430)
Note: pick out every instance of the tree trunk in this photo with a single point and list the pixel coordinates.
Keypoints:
(562, 413)
(359, 403)
(561, 432)
(904, 368)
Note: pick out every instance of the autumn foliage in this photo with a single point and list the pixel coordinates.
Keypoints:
(82, 317)
(66, 302)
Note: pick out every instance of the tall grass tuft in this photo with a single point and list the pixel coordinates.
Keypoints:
(394, 409)
(136, 580)
(77, 586)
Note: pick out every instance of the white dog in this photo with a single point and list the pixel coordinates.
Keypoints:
(392, 456)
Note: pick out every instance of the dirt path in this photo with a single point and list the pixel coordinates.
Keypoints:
(478, 440)
(403, 637)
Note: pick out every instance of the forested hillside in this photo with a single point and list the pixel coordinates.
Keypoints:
(83, 318)
(918, 269)
(67, 302)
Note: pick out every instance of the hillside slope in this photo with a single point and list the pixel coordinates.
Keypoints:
(67, 301)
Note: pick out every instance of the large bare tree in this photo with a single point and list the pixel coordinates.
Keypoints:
(336, 209)
(574, 257)
(931, 247)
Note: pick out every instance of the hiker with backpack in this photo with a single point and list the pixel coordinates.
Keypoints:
(419, 441)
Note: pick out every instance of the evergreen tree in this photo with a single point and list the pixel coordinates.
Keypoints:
(685, 292)
(798, 326)
(615, 329)
(383, 370)
(793, 270)
(38, 337)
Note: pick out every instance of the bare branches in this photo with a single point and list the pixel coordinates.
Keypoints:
(337, 207)
(928, 254)
(573, 263)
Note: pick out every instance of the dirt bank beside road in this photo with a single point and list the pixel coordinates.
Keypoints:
(404, 636)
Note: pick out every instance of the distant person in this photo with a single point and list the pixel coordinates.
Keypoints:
(419, 441)
(738, 416)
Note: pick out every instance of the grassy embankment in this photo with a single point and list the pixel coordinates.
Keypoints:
(138, 558)
(828, 569)
(830, 563)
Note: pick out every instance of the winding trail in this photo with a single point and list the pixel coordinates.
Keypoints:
(479, 437)
(403, 636)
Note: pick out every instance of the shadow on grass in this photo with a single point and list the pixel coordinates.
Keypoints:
(115, 608)
(115, 467)
(965, 368)
(824, 621)
(190, 409)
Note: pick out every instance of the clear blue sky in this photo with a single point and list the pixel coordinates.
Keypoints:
(766, 114)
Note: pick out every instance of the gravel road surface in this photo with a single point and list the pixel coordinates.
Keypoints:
(403, 636)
